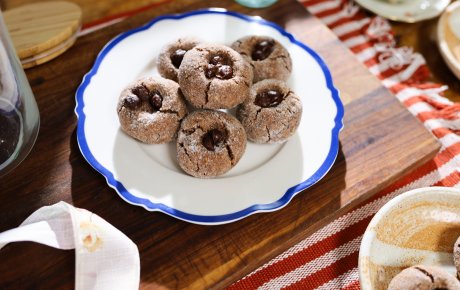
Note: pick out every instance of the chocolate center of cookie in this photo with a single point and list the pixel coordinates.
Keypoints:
(263, 49)
(219, 67)
(214, 138)
(270, 98)
(156, 100)
(141, 93)
(132, 102)
(177, 57)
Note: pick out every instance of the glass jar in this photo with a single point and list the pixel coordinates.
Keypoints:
(256, 3)
(19, 116)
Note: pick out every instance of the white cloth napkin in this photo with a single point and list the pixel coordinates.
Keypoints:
(105, 257)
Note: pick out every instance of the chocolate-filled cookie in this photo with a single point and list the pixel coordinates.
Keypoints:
(214, 77)
(209, 143)
(268, 58)
(272, 112)
(457, 256)
(171, 56)
(151, 110)
(422, 277)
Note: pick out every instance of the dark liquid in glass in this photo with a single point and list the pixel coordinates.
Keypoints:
(10, 129)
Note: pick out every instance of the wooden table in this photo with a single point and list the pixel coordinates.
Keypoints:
(416, 35)
(380, 142)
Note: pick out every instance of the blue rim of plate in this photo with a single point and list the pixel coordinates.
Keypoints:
(202, 219)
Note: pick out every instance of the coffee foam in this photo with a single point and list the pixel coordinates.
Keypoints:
(420, 229)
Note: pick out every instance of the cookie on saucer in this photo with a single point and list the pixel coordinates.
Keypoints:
(272, 112)
(210, 143)
(214, 77)
(171, 56)
(423, 277)
(269, 59)
(457, 256)
(151, 109)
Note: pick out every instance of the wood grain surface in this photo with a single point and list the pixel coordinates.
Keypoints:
(420, 36)
(39, 27)
(92, 10)
(48, 54)
(380, 142)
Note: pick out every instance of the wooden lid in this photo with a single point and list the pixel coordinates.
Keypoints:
(38, 27)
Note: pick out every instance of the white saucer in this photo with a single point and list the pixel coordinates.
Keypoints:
(447, 41)
(409, 11)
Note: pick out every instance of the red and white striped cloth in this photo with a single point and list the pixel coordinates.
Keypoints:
(328, 259)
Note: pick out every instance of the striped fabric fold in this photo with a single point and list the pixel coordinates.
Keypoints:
(328, 259)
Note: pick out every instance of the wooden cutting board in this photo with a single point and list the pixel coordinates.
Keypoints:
(380, 142)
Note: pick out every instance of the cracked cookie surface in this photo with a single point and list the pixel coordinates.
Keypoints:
(272, 112)
(214, 77)
(209, 143)
(171, 56)
(151, 109)
(268, 58)
(423, 277)
(456, 252)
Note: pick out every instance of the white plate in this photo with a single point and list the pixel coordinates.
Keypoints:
(267, 176)
(406, 10)
(449, 37)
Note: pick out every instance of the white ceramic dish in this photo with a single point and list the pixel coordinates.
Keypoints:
(267, 176)
(417, 227)
(449, 37)
(406, 10)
